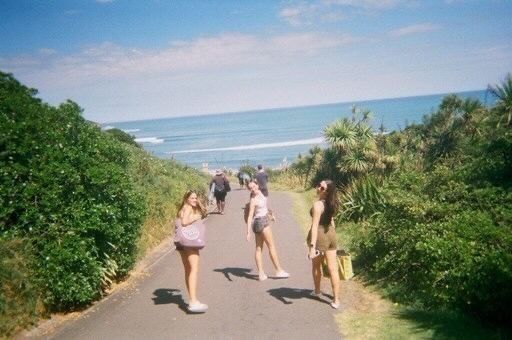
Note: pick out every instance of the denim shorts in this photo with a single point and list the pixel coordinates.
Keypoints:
(259, 223)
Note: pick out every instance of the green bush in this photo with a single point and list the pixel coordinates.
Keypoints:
(65, 187)
(122, 136)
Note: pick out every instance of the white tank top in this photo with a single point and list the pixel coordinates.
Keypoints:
(260, 207)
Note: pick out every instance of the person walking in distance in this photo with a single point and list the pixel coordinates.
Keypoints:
(321, 238)
(257, 221)
(262, 178)
(221, 189)
(191, 210)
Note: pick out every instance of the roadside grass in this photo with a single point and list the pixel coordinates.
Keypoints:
(367, 314)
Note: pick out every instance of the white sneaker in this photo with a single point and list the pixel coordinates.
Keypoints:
(335, 305)
(262, 277)
(282, 275)
(315, 294)
(197, 307)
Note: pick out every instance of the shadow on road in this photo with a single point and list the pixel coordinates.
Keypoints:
(164, 296)
(239, 272)
(284, 294)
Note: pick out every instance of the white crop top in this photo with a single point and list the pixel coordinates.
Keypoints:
(260, 207)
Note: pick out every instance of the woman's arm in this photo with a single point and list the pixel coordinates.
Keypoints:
(318, 209)
(188, 216)
(252, 204)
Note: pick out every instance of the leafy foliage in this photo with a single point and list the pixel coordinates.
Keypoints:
(73, 202)
(122, 136)
(428, 210)
(64, 187)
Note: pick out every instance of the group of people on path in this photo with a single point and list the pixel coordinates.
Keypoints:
(321, 238)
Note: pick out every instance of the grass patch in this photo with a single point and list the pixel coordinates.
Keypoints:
(302, 202)
(406, 323)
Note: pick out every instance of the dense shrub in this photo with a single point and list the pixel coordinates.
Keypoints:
(428, 210)
(64, 186)
(122, 136)
(444, 237)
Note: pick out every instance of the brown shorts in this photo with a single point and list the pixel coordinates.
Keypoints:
(326, 238)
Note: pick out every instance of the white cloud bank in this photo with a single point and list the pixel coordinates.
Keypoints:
(414, 29)
(111, 61)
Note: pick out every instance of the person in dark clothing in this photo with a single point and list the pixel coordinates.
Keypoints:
(240, 176)
(262, 179)
(221, 189)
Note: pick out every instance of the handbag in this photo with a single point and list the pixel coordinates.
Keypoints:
(344, 261)
(191, 236)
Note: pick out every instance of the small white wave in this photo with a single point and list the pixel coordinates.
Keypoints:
(108, 127)
(151, 140)
(318, 140)
(131, 130)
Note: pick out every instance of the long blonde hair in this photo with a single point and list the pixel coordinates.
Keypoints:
(197, 209)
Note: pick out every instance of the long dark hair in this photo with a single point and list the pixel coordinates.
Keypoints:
(331, 200)
(199, 208)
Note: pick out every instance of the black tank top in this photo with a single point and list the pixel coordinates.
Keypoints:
(325, 220)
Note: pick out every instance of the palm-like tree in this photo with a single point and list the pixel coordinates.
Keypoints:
(354, 145)
(341, 135)
(503, 94)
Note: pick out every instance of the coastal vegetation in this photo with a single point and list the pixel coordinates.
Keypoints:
(78, 206)
(427, 210)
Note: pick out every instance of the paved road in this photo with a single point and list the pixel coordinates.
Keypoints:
(240, 306)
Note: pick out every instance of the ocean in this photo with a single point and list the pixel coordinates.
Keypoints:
(273, 137)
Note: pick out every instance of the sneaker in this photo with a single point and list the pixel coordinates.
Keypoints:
(282, 275)
(315, 294)
(262, 277)
(197, 307)
(335, 305)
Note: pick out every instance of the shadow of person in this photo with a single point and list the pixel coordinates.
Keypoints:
(239, 272)
(285, 294)
(164, 296)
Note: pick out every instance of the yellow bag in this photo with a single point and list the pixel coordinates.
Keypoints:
(344, 266)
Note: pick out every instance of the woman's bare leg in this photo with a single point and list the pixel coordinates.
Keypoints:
(193, 263)
(316, 270)
(332, 264)
(269, 240)
(258, 238)
(186, 267)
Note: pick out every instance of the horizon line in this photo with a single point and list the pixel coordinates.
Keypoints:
(288, 107)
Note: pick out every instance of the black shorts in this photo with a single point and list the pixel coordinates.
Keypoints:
(220, 196)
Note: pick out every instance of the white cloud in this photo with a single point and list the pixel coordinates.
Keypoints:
(370, 4)
(111, 61)
(322, 11)
(299, 15)
(47, 51)
(414, 29)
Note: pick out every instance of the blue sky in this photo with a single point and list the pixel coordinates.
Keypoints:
(126, 60)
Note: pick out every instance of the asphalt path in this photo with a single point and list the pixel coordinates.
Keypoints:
(240, 306)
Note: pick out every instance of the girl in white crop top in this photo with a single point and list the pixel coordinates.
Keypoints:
(258, 222)
(260, 206)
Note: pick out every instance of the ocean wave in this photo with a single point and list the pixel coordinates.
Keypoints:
(131, 130)
(318, 140)
(108, 127)
(151, 140)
